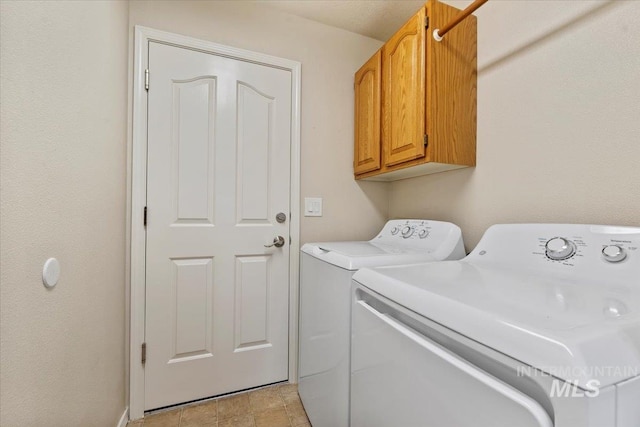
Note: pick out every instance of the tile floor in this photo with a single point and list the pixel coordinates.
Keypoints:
(275, 406)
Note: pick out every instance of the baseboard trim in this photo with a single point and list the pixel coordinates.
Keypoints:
(124, 419)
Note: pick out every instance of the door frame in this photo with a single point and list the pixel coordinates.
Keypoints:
(137, 190)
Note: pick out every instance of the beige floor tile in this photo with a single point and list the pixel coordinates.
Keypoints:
(299, 421)
(245, 420)
(275, 417)
(289, 393)
(266, 398)
(291, 399)
(297, 414)
(276, 406)
(287, 388)
(202, 415)
(163, 419)
(296, 409)
(235, 405)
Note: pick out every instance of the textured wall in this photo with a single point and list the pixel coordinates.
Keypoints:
(558, 121)
(63, 142)
(329, 58)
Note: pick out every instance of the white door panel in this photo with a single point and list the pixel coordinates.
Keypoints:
(218, 173)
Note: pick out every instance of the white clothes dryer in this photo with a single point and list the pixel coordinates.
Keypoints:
(325, 304)
(539, 326)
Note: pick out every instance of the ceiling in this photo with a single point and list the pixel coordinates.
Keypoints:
(378, 19)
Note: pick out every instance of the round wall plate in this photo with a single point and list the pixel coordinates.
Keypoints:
(51, 272)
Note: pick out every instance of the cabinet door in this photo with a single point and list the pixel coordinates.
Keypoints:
(366, 156)
(403, 92)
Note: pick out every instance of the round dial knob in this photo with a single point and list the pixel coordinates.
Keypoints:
(407, 231)
(559, 248)
(613, 253)
(423, 233)
(395, 230)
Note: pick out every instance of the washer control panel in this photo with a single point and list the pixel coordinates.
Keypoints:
(599, 251)
(410, 228)
(417, 233)
(612, 250)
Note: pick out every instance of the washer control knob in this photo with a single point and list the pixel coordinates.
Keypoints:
(407, 231)
(395, 230)
(613, 253)
(423, 233)
(559, 249)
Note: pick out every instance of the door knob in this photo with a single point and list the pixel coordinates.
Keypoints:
(278, 242)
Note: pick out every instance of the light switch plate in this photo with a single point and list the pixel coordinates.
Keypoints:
(313, 206)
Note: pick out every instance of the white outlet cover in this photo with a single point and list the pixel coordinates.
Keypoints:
(313, 206)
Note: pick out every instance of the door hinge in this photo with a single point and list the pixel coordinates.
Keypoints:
(426, 140)
(146, 79)
(426, 23)
(144, 353)
(145, 216)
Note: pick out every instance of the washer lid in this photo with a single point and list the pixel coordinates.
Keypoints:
(356, 255)
(578, 331)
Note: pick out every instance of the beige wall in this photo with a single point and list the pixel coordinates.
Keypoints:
(63, 142)
(558, 121)
(329, 57)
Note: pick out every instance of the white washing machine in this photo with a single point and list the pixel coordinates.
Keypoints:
(325, 304)
(539, 326)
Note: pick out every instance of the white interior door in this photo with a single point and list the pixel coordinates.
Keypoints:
(219, 133)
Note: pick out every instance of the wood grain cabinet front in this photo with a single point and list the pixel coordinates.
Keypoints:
(403, 92)
(366, 156)
(426, 110)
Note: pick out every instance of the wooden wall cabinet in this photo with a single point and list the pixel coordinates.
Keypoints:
(421, 117)
(367, 154)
